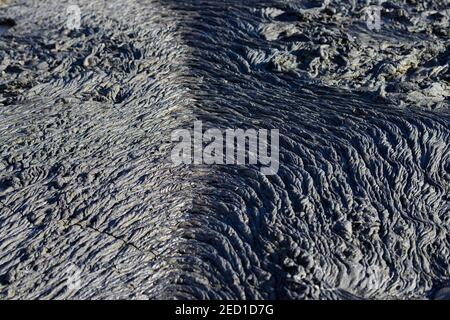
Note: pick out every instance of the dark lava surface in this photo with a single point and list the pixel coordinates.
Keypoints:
(359, 207)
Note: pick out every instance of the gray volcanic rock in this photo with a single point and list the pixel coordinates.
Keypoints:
(358, 209)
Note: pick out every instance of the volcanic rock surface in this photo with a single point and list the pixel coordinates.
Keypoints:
(359, 207)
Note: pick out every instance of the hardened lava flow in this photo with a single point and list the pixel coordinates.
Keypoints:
(359, 208)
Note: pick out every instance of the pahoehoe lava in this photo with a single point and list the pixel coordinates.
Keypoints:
(359, 208)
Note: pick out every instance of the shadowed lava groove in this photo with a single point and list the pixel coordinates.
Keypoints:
(358, 209)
